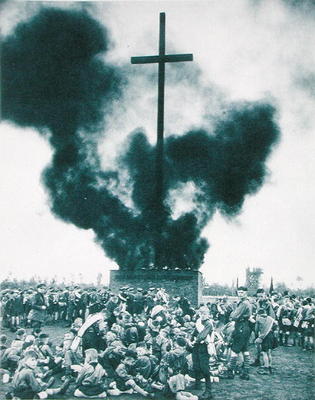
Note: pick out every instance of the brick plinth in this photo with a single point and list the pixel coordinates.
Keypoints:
(176, 283)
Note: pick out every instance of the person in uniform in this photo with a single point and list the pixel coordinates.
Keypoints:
(27, 385)
(37, 314)
(262, 302)
(200, 353)
(241, 335)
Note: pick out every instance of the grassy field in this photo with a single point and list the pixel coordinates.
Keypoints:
(293, 377)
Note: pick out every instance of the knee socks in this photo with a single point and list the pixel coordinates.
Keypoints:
(233, 363)
(246, 362)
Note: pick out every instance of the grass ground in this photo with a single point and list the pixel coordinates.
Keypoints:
(293, 377)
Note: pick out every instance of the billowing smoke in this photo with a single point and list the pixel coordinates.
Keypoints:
(225, 165)
(53, 79)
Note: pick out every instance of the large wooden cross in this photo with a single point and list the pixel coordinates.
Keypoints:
(161, 59)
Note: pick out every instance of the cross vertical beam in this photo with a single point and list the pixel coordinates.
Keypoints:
(161, 59)
(161, 82)
(160, 118)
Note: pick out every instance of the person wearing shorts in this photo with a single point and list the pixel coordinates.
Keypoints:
(241, 335)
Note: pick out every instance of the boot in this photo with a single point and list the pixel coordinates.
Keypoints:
(263, 371)
(207, 394)
(256, 363)
(229, 374)
(244, 375)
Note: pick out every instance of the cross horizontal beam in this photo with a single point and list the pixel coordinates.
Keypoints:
(161, 58)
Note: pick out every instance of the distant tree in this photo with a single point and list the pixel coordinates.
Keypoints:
(281, 287)
(99, 279)
(215, 289)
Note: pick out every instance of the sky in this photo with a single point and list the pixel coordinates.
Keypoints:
(243, 51)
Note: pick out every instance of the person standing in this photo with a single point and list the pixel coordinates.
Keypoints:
(265, 339)
(200, 353)
(262, 302)
(241, 335)
(37, 314)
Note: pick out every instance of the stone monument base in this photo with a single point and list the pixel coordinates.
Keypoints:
(175, 282)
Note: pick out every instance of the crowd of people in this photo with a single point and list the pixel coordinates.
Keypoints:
(142, 341)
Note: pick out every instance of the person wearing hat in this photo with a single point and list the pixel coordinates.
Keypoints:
(122, 295)
(112, 305)
(27, 306)
(7, 307)
(16, 309)
(139, 302)
(73, 304)
(47, 356)
(241, 335)
(53, 306)
(37, 314)
(149, 300)
(130, 297)
(62, 304)
(19, 339)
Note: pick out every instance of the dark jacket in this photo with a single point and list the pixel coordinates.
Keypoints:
(37, 313)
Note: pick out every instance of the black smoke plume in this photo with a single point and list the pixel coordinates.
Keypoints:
(53, 79)
(225, 166)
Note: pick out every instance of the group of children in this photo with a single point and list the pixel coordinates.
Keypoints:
(61, 304)
(143, 342)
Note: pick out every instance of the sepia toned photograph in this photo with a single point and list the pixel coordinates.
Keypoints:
(157, 199)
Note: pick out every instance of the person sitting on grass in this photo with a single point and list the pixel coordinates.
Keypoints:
(19, 339)
(90, 381)
(72, 359)
(4, 373)
(47, 356)
(175, 366)
(27, 385)
(10, 358)
(125, 378)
